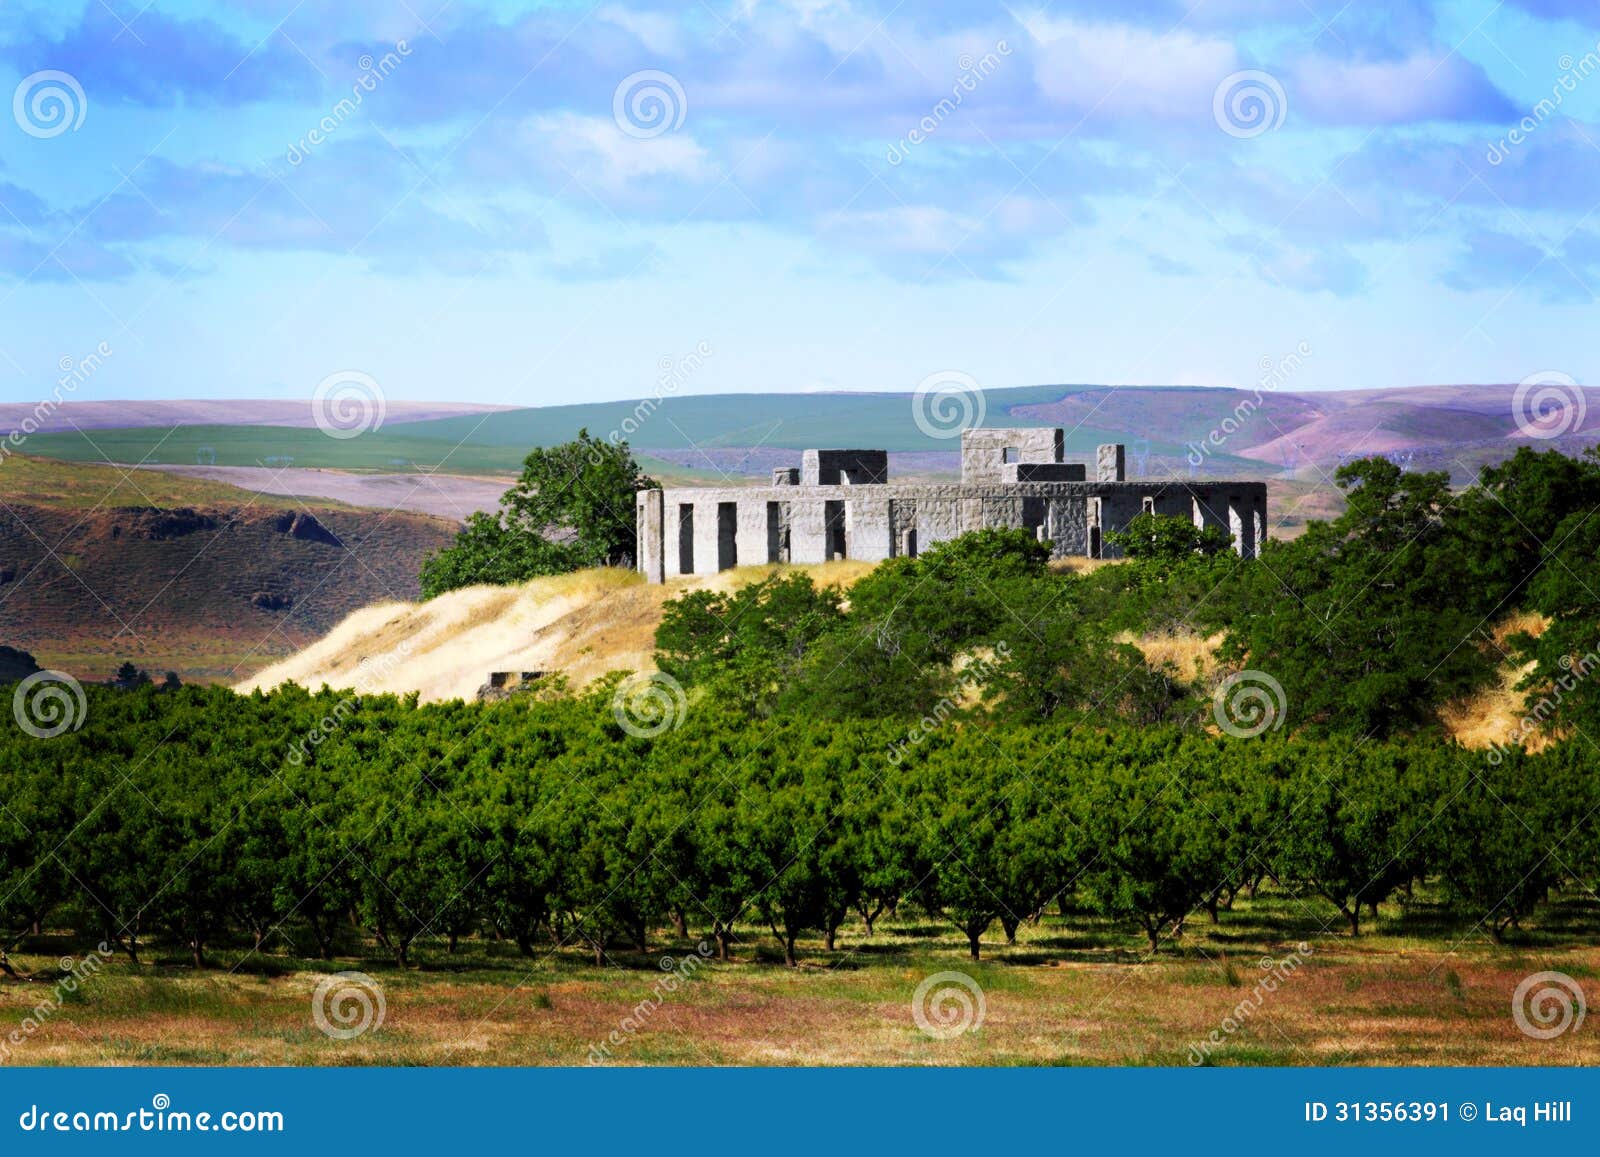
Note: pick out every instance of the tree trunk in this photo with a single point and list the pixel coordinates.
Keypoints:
(789, 957)
(827, 938)
(681, 922)
(1008, 923)
(724, 936)
(323, 938)
(869, 918)
(198, 952)
(973, 942)
(450, 944)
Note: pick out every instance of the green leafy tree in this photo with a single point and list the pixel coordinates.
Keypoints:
(1169, 539)
(572, 508)
(1363, 620)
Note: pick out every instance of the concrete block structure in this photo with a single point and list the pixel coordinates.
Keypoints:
(841, 504)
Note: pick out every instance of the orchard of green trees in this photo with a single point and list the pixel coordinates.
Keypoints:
(180, 819)
(966, 734)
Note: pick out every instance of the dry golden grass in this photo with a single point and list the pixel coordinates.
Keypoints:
(1193, 656)
(583, 625)
(1494, 714)
(1082, 565)
(1411, 991)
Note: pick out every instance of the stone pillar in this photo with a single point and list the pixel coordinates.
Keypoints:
(1242, 525)
(807, 531)
(1111, 463)
(706, 536)
(751, 541)
(1260, 510)
(938, 520)
(1066, 526)
(649, 530)
(868, 527)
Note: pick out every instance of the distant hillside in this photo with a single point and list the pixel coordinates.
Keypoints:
(107, 415)
(186, 575)
(698, 437)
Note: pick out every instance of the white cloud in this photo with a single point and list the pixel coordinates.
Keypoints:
(1125, 70)
(657, 32)
(1425, 85)
(599, 154)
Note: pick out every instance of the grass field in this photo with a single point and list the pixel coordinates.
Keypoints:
(495, 443)
(27, 480)
(1419, 990)
(383, 451)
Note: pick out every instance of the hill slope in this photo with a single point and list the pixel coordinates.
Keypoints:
(590, 623)
(186, 575)
(1266, 432)
(582, 625)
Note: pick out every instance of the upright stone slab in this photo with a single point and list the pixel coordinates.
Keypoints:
(807, 531)
(1111, 462)
(650, 537)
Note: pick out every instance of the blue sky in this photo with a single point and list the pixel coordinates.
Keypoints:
(497, 220)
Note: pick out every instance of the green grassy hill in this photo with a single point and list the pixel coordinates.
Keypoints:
(479, 444)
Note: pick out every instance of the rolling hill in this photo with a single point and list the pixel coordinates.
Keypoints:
(1265, 434)
(186, 575)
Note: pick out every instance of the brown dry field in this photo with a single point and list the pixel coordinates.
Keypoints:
(1420, 991)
